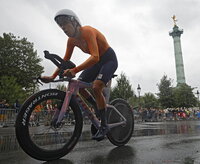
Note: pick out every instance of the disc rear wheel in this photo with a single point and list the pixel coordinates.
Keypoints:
(121, 134)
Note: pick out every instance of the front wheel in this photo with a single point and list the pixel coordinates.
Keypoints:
(36, 133)
(120, 135)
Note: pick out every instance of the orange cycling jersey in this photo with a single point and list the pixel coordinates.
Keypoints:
(90, 41)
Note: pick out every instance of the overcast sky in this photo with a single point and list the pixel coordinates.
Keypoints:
(138, 31)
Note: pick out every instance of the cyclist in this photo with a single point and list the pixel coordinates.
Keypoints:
(98, 68)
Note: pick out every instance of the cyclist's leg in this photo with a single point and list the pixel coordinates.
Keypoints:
(108, 65)
(98, 86)
(89, 75)
(104, 76)
(89, 97)
(103, 72)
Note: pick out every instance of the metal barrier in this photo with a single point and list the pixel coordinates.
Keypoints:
(7, 117)
(8, 143)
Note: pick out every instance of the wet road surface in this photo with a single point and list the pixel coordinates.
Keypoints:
(152, 143)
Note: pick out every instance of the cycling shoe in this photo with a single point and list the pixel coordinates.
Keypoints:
(101, 133)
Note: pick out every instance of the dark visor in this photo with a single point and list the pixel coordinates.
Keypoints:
(62, 20)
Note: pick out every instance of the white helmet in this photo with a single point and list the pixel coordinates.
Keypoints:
(66, 14)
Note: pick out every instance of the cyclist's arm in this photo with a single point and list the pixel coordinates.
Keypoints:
(68, 54)
(69, 50)
(90, 38)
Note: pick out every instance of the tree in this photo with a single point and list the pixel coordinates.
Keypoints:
(123, 88)
(18, 59)
(133, 101)
(150, 101)
(166, 93)
(10, 89)
(184, 96)
(61, 87)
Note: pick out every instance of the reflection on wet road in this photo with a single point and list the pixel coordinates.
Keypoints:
(152, 143)
(164, 128)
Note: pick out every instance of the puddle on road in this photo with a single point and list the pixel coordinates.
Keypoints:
(169, 128)
(9, 143)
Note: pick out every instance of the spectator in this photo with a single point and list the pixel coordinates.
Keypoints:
(198, 114)
(3, 115)
(17, 106)
(144, 115)
(4, 104)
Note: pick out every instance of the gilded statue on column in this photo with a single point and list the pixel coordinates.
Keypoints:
(174, 19)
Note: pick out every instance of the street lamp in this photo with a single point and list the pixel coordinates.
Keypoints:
(139, 90)
(197, 95)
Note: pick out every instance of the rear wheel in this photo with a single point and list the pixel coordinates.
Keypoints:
(35, 132)
(120, 135)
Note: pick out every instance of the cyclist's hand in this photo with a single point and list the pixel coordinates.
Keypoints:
(69, 73)
(46, 79)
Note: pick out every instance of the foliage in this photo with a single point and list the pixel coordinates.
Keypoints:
(133, 101)
(180, 96)
(61, 87)
(18, 59)
(150, 101)
(184, 96)
(123, 88)
(19, 64)
(166, 93)
(10, 89)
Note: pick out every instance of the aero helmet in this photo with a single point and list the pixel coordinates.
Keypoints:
(66, 15)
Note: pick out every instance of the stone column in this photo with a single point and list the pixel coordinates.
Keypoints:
(176, 34)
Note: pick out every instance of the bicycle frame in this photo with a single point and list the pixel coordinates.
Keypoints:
(72, 90)
(55, 137)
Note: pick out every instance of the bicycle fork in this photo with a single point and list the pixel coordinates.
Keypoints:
(59, 113)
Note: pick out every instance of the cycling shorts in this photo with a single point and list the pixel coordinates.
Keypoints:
(103, 70)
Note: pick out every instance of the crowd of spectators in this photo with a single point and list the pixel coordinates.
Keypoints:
(8, 111)
(168, 114)
(4, 105)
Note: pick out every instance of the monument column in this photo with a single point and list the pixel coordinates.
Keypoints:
(176, 34)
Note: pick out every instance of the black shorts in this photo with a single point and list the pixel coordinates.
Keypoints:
(103, 70)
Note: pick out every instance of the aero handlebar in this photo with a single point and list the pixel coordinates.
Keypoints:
(59, 62)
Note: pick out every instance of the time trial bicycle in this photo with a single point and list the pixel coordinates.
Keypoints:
(59, 117)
